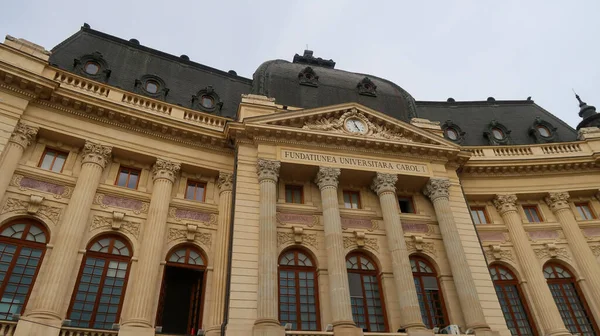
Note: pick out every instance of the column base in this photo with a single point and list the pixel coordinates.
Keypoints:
(346, 328)
(31, 327)
(136, 331)
(267, 327)
(486, 332)
(213, 331)
(419, 332)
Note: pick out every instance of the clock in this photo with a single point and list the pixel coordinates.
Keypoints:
(355, 125)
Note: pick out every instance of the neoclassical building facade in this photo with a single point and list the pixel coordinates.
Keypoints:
(143, 194)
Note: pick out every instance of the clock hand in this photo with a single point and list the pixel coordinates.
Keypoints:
(355, 125)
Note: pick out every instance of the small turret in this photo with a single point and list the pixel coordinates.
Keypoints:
(588, 112)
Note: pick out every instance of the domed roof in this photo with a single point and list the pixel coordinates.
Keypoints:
(310, 82)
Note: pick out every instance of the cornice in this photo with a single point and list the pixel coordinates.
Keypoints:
(24, 83)
(526, 167)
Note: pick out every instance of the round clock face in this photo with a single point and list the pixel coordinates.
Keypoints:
(354, 125)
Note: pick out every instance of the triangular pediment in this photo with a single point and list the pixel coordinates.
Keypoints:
(351, 120)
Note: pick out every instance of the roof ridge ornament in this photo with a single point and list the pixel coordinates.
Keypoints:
(308, 58)
(367, 88)
(308, 77)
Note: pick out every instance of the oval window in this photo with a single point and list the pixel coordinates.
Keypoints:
(451, 134)
(152, 86)
(207, 101)
(91, 68)
(544, 131)
(498, 134)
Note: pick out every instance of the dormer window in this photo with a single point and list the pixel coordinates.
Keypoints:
(91, 68)
(545, 132)
(151, 86)
(498, 134)
(367, 88)
(308, 77)
(207, 101)
(451, 134)
(542, 131)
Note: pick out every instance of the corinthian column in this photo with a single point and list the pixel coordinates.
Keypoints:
(225, 184)
(339, 292)
(143, 291)
(541, 296)
(410, 313)
(13, 151)
(267, 317)
(62, 263)
(584, 257)
(437, 190)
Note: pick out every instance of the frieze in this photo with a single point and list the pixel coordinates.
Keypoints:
(543, 235)
(19, 206)
(207, 219)
(359, 223)
(24, 183)
(591, 233)
(201, 237)
(105, 222)
(551, 251)
(415, 246)
(418, 228)
(284, 218)
(371, 243)
(492, 236)
(495, 252)
(134, 205)
(286, 237)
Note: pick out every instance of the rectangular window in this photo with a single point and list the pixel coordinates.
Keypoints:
(585, 211)
(479, 215)
(128, 178)
(532, 213)
(195, 191)
(406, 204)
(53, 160)
(294, 194)
(351, 199)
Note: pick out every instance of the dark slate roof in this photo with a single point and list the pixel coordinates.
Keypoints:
(473, 118)
(129, 61)
(279, 79)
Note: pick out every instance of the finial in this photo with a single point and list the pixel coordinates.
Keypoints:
(581, 103)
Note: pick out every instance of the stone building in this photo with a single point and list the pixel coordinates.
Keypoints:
(143, 193)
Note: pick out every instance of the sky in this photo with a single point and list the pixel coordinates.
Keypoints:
(467, 50)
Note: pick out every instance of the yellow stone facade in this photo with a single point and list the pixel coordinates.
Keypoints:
(244, 224)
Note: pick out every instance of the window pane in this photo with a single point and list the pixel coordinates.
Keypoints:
(189, 193)
(122, 181)
(47, 161)
(406, 205)
(355, 285)
(200, 192)
(59, 163)
(133, 179)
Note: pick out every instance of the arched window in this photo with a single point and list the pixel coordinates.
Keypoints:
(516, 312)
(22, 246)
(181, 297)
(298, 299)
(365, 296)
(100, 288)
(430, 297)
(571, 304)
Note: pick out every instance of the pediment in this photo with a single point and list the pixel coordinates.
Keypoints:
(351, 120)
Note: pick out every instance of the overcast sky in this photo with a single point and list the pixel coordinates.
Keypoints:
(468, 50)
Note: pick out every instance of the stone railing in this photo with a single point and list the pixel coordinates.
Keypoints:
(309, 333)
(528, 151)
(7, 328)
(82, 84)
(68, 331)
(203, 118)
(146, 103)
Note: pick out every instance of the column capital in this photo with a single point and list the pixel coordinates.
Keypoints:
(505, 202)
(327, 177)
(23, 135)
(557, 200)
(268, 170)
(164, 169)
(436, 188)
(225, 181)
(383, 182)
(96, 153)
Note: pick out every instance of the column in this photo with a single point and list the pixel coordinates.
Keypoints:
(62, 262)
(219, 279)
(267, 314)
(142, 293)
(549, 316)
(585, 259)
(339, 291)
(384, 186)
(22, 137)
(437, 190)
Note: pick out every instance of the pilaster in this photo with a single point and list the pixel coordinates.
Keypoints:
(543, 302)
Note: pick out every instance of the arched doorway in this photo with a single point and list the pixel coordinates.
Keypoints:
(514, 307)
(182, 292)
(569, 300)
(368, 309)
(298, 291)
(429, 294)
(100, 289)
(22, 247)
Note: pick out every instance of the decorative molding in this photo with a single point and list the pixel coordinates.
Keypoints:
(297, 236)
(96, 153)
(437, 188)
(543, 235)
(327, 177)
(23, 134)
(421, 228)
(115, 223)
(366, 87)
(595, 250)
(384, 183)
(417, 244)
(335, 124)
(359, 223)
(308, 77)
(225, 181)
(134, 205)
(551, 251)
(33, 206)
(360, 241)
(201, 237)
(25, 182)
(557, 201)
(267, 170)
(207, 219)
(164, 169)
(496, 236)
(496, 252)
(284, 218)
(504, 203)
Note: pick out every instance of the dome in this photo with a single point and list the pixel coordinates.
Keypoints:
(310, 82)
